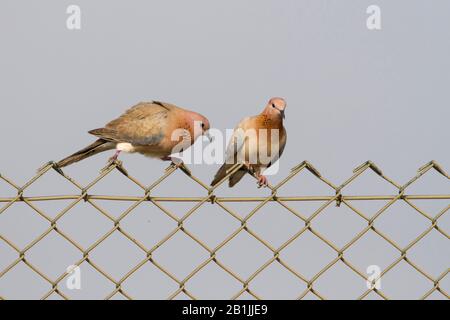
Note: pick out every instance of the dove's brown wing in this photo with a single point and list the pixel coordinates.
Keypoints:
(237, 141)
(283, 139)
(142, 124)
(235, 146)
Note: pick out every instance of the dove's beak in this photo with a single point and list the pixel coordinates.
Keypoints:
(208, 135)
(281, 111)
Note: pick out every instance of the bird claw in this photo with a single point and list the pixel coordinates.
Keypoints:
(114, 157)
(112, 162)
(262, 181)
(176, 163)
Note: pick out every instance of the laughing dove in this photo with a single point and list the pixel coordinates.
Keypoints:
(146, 128)
(257, 142)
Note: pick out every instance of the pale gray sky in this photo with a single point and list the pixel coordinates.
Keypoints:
(353, 95)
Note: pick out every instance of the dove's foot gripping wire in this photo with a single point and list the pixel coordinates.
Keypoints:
(113, 161)
(262, 181)
(115, 156)
(176, 162)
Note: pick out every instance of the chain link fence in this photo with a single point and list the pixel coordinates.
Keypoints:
(211, 197)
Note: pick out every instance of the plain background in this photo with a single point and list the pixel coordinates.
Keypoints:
(353, 95)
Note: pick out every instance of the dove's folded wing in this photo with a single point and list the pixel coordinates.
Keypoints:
(143, 124)
(282, 145)
(236, 143)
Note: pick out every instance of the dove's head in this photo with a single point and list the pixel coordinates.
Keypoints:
(200, 126)
(276, 107)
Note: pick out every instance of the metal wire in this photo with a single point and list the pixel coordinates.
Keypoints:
(222, 202)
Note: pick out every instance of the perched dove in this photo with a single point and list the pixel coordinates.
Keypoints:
(146, 128)
(257, 142)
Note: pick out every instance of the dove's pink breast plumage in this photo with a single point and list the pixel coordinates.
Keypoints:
(269, 143)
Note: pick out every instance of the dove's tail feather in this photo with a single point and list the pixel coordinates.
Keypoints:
(220, 174)
(98, 146)
(234, 178)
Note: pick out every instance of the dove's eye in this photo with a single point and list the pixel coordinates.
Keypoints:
(203, 125)
(273, 105)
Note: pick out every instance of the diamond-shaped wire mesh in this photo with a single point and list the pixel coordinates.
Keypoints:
(149, 257)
